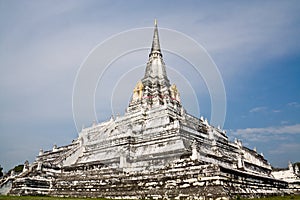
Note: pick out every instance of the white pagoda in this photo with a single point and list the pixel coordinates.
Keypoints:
(155, 150)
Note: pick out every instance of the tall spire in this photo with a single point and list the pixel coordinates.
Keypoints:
(156, 69)
(155, 43)
(155, 88)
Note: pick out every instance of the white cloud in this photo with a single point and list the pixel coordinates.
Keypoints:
(266, 134)
(294, 104)
(43, 44)
(258, 109)
(284, 122)
(290, 129)
(253, 32)
(286, 148)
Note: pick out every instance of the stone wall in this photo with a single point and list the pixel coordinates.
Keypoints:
(183, 179)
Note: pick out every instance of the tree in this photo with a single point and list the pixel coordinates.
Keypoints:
(1, 172)
(18, 168)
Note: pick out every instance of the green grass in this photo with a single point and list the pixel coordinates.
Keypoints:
(44, 198)
(293, 197)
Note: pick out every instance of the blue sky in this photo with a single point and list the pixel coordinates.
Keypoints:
(255, 45)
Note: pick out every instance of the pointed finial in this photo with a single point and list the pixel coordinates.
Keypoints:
(155, 43)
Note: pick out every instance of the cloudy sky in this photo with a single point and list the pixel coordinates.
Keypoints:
(255, 45)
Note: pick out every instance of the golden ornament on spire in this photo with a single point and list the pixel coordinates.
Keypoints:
(138, 91)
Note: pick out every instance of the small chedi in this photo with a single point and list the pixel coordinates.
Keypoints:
(156, 150)
(290, 175)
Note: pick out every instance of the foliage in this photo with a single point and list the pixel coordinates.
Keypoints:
(18, 168)
(45, 198)
(1, 172)
(291, 197)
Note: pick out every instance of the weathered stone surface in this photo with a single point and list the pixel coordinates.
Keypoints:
(182, 178)
(291, 175)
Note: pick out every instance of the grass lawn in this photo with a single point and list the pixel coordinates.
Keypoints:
(63, 198)
(296, 197)
(44, 198)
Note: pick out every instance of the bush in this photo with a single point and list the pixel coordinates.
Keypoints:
(1, 172)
